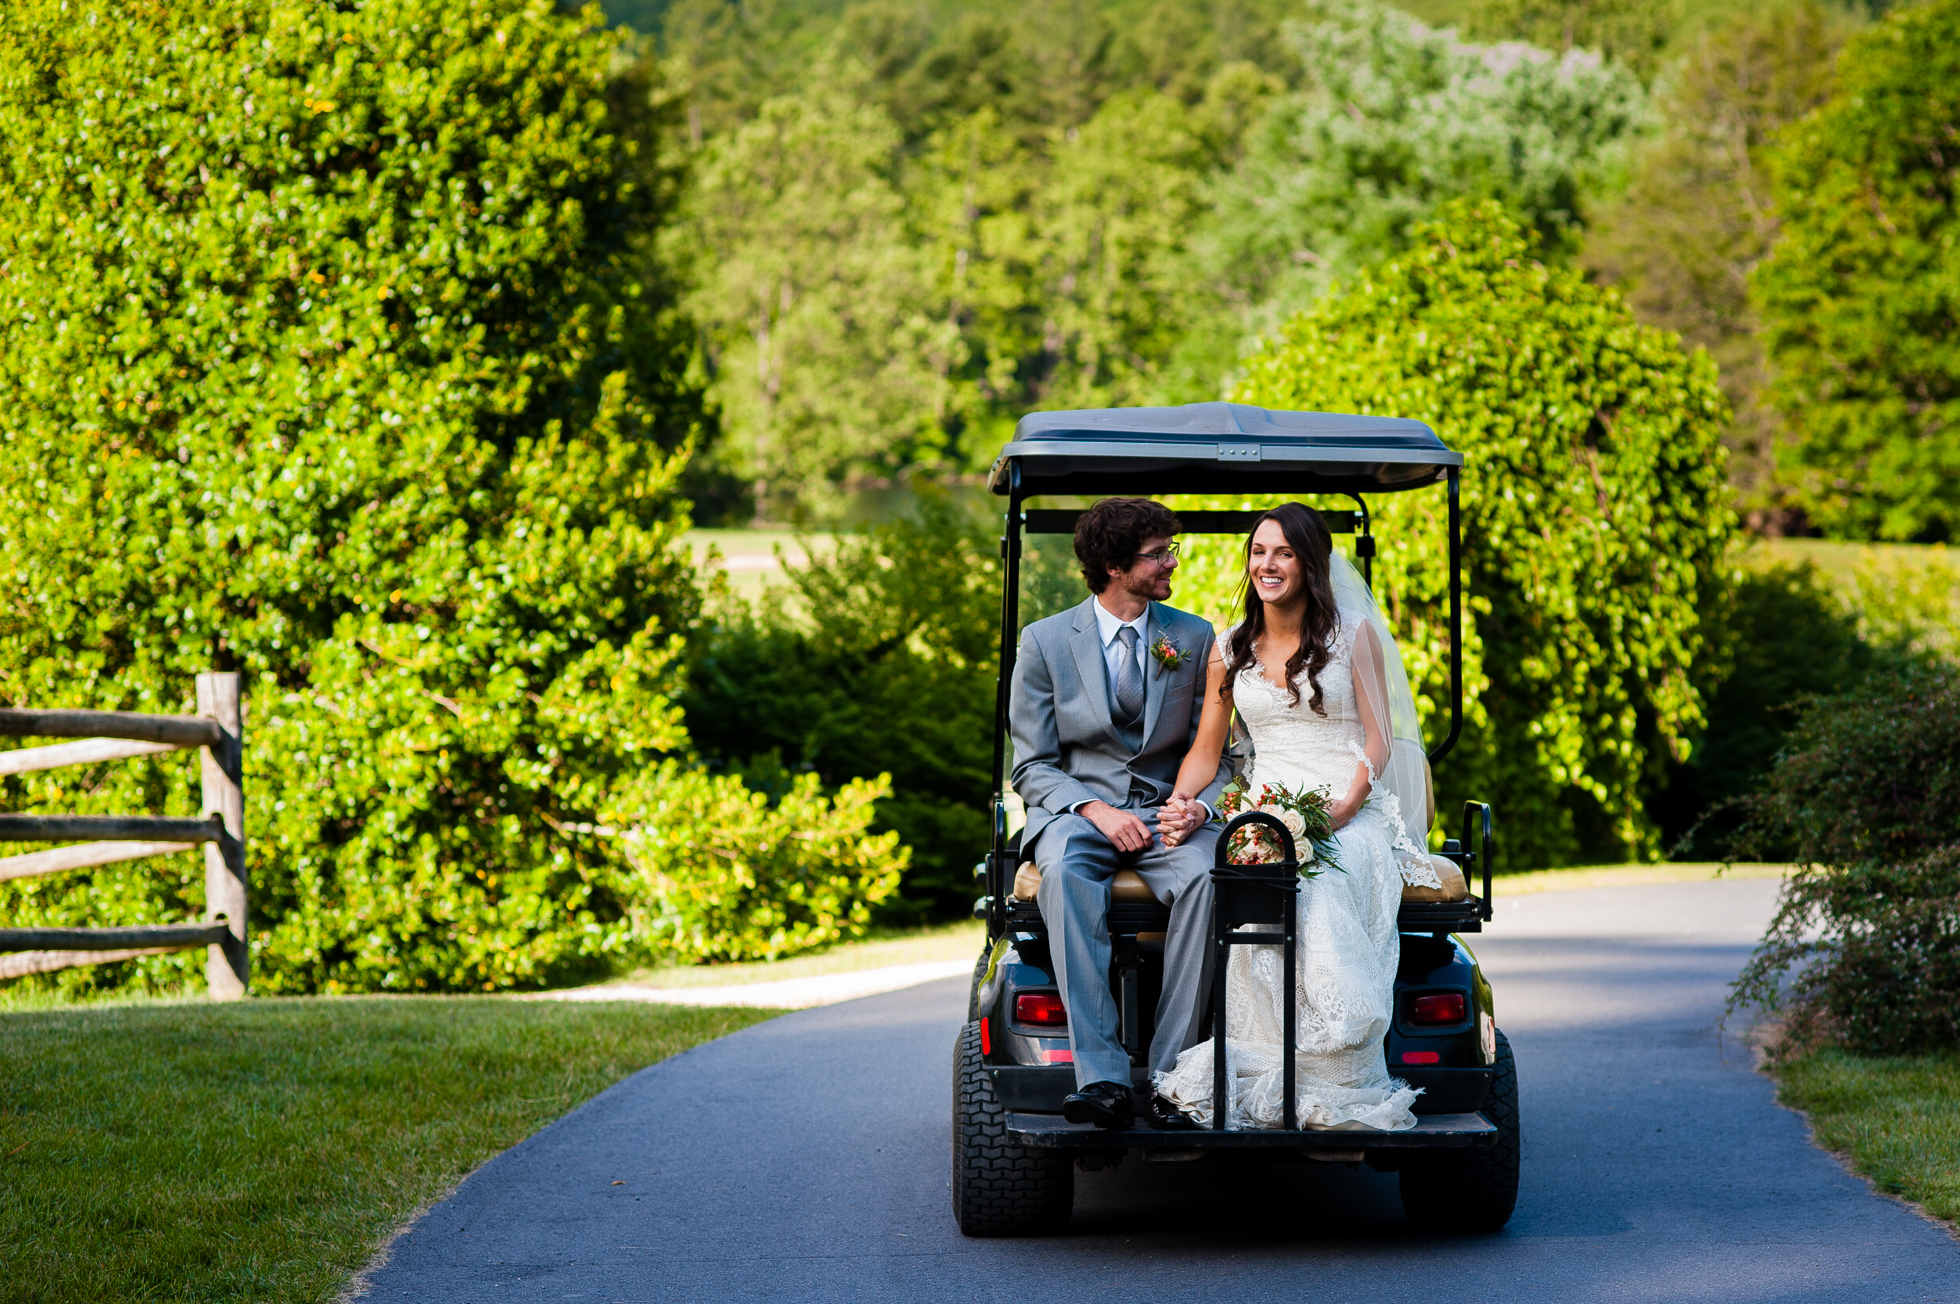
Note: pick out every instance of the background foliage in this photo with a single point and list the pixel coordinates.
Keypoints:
(878, 657)
(1596, 513)
(1862, 293)
(338, 356)
(1868, 796)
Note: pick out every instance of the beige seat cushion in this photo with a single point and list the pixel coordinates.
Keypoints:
(1126, 886)
(1450, 875)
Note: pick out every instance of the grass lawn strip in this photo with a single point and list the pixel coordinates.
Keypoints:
(1896, 1118)
(265, 1150)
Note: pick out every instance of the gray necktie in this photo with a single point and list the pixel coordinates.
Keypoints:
(1129, 679)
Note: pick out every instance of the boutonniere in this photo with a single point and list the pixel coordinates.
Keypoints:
(1169, 655)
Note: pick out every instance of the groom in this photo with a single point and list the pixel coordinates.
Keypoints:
(1106, 700)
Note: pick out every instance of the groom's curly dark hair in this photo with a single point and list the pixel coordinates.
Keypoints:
(1111, 533)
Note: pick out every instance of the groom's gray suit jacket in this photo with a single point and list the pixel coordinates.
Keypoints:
(1068, 749)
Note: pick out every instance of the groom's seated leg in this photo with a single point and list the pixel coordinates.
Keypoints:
(1181, 878)
(1076, 863)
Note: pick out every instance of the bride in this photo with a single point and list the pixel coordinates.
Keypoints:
(1318, 682)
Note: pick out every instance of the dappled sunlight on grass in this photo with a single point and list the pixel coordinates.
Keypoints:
(1897, 1118)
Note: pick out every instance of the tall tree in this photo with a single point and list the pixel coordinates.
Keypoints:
(1698, 216)
(1861, 294)
(830, 357)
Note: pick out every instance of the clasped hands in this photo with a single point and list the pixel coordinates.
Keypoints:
(1176, 821)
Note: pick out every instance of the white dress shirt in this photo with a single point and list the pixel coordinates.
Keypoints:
(1107, 626)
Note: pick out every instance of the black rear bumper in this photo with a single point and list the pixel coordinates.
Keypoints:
(1435, 1132)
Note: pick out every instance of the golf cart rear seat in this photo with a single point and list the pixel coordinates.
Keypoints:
(1128, 888)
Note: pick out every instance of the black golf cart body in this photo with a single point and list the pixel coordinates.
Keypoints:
(1014, 1155)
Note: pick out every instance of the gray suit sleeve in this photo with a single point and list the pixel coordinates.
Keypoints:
(1038, 776)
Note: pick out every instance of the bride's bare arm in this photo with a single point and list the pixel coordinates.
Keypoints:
(1200, 765)
(1371, 704)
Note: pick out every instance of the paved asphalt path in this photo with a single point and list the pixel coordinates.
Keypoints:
(806, 1159)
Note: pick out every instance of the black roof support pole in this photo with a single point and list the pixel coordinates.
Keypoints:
(1010, 610)
(1456, 621)
(1364, 543)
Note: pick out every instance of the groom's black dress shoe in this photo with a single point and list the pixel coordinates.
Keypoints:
(1166, 1117)
(1106, 1104)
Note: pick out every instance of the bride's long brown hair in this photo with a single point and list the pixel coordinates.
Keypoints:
(1307, 535)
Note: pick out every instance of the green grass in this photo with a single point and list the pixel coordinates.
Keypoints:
(1897, 1119)
(264, 1150)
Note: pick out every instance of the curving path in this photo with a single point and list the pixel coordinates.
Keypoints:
(806, 1159)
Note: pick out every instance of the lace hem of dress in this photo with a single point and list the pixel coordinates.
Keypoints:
(1257, 1101)
(1411, 859)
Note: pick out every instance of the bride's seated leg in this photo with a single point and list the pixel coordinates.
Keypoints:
(1076, 863)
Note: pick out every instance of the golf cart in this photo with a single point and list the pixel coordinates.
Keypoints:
(1014, 1155)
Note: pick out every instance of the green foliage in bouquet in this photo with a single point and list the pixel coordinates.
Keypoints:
(1304, 814)
(1595, 514)
(1861, 296)
(335, 355)
(1868, 795)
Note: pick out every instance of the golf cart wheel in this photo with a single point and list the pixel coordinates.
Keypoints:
(1000, 1189)
(1471, 1190)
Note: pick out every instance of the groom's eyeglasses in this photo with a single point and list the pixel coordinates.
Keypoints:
(1163, 556)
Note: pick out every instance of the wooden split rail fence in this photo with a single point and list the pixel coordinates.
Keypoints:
(106, 839)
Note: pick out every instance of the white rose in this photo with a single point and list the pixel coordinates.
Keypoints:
(1304, 852)
(1294, 823)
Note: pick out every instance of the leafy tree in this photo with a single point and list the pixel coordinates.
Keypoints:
(1595, 512)
(1395, 119)
(1635, 33)
(1698, 216)
(828, 357)
(337, 356)
(1860, 299)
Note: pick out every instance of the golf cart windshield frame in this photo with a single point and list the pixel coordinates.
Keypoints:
(1224, 448)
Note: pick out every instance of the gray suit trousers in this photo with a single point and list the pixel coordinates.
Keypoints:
(1076, 863)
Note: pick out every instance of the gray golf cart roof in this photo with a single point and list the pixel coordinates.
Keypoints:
(1218, 448)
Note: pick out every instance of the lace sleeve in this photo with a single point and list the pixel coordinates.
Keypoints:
(1411, 859)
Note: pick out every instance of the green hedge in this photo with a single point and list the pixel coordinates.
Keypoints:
(336, 355)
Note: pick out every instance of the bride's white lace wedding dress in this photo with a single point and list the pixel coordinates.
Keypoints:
(1348, 946)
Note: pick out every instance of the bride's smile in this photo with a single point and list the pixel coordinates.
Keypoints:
(1273, 566)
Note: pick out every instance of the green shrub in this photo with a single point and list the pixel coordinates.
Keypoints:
(1784, 637)
(721, 874)
(1595, 512)
(1868, 795)
(879, 657)
(335, 355)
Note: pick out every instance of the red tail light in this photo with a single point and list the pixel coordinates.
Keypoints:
(1420, 1057)
(1042, 1009)
(986, 1042)
(1443, 1007)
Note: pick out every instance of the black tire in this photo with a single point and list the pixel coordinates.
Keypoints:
(1000, 1189)
(1471, 1190)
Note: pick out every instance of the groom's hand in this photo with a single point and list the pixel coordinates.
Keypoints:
(1125, 831)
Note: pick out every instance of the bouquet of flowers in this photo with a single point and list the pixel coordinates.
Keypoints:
(1304, 814)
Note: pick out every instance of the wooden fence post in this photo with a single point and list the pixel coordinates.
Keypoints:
(228, 969)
